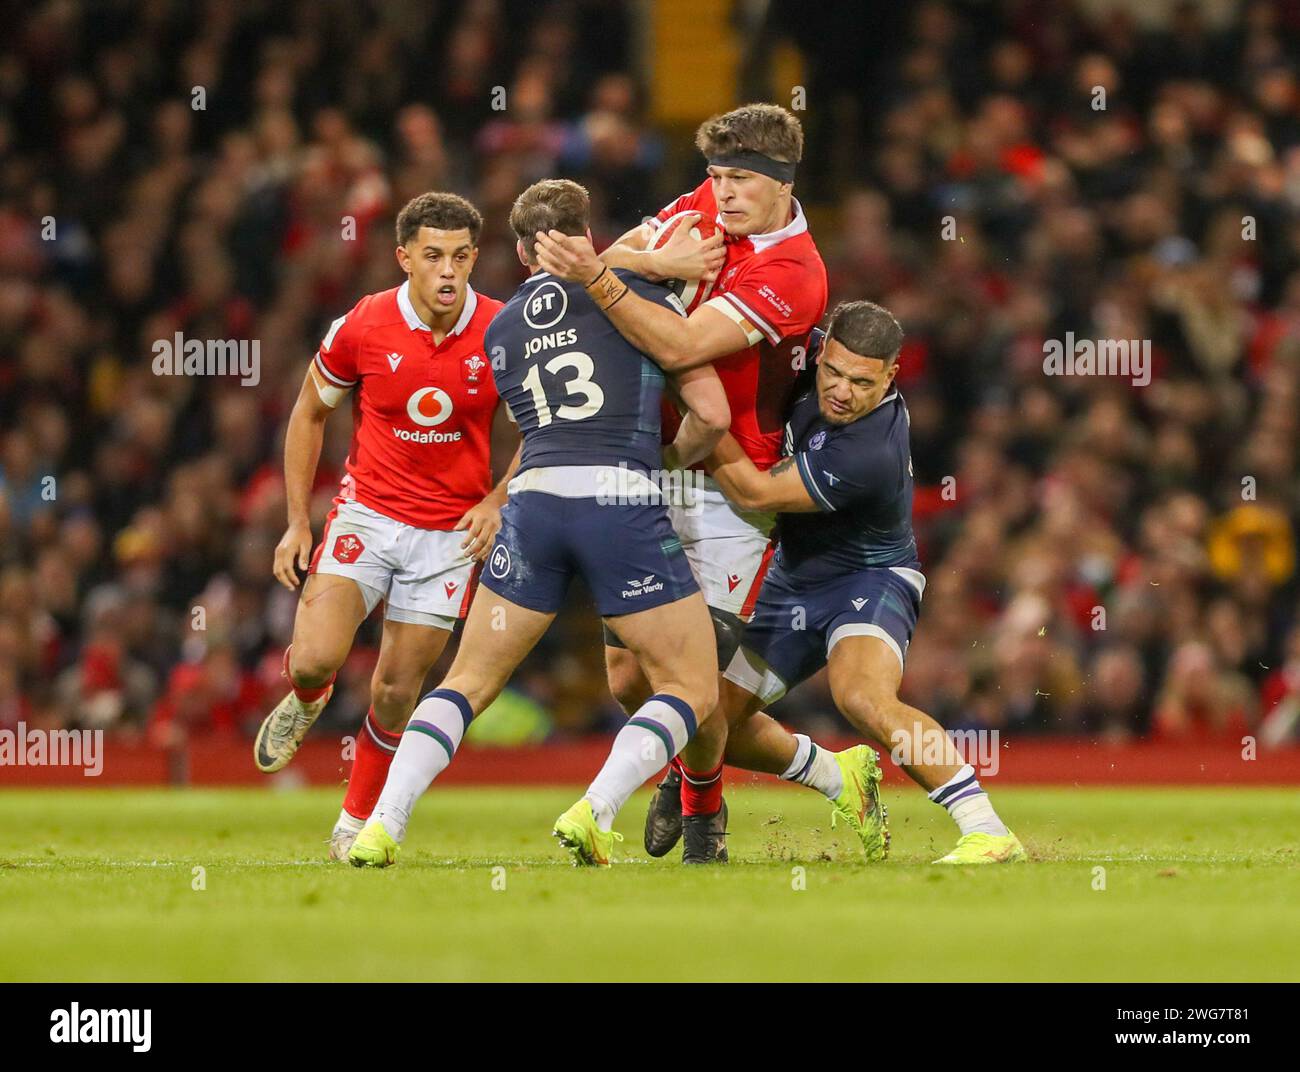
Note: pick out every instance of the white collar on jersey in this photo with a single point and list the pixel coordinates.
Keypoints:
(796, 226)
(888, 398)
(413, 320)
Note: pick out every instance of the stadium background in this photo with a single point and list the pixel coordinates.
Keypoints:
(1063, 494)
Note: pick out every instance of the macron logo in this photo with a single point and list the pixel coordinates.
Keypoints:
(858, 603)
(102, 1025)
(394, 360)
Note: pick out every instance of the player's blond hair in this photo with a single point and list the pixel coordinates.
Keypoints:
(550, 205)
(757, 128)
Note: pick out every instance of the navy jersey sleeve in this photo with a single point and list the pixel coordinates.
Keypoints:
(806, 378)
(803, 411)
(654, 292)
(491, 340)
(494, 342)
(846, 471)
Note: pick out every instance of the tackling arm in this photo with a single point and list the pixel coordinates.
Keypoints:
(708, 416)
(675, 344)
(629, 251)
(780, 488)
(681, 257)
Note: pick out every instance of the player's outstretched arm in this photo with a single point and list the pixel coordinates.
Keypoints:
(672, 342)
(708, 416)
(681, 257)
(780, 488)
(482, 522)
(302, 446)
(629, 251)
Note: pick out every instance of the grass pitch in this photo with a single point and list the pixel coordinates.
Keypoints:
(102, 885)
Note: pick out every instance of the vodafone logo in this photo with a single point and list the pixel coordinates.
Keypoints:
(429, 406)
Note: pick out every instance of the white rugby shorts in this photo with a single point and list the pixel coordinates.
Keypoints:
(422, 575)
(728, 548)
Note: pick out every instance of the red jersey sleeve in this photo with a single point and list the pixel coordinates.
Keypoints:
(336, 359)
(774, 299)
(334, 369)
(698, 200)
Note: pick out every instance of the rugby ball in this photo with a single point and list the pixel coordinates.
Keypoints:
(694, 292)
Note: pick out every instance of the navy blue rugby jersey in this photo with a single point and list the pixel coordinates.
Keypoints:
(580, 392)
(860, 475)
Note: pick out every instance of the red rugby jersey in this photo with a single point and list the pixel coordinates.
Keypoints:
(774, 286)
(422, 414)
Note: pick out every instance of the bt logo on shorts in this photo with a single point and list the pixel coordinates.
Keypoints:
(348, 548)
(428, 407)
(641, 587)
(499, 563)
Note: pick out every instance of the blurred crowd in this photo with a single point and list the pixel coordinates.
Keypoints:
(1103, 558)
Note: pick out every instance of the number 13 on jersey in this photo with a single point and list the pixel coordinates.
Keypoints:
(580, 383)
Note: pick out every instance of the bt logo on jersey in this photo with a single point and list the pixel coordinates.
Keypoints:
(546, 306)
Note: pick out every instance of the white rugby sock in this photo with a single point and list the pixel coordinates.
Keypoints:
(657, 731)
(969, 804)
(814, 767)
(349, 822)
(435, 731)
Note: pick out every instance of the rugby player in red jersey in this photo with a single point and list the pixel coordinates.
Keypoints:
(416, 507)
(769, 292)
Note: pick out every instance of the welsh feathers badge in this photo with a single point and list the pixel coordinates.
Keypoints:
(473, 369)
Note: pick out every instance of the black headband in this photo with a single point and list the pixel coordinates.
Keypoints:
(752, 161)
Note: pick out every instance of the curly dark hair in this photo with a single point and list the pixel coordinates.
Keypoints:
(443, 212)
